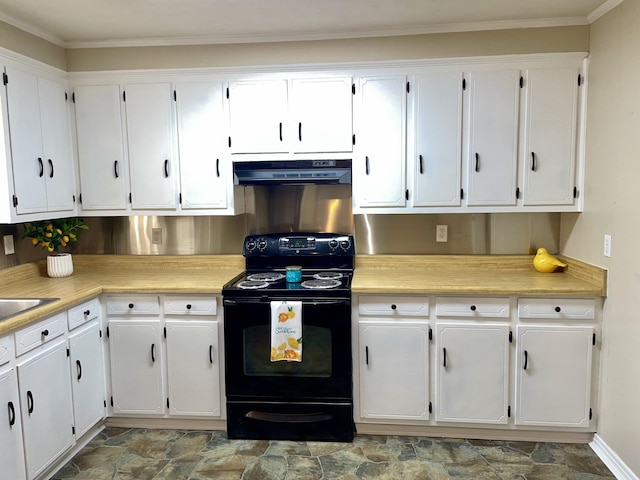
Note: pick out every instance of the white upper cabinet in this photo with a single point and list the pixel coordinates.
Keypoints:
(150, 134)
(492, 137)
(205, 169)
(379, 160)
(101, 158)
(322, 115)
(257, 116)
(435, 138)
(43, 174)
(549, 147)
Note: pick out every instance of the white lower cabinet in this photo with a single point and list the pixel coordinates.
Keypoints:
(45, 403)
(193, 367)
(11, 451)
(136, 366)
(472, 373)
(394, 366)
(553, 375)
(87, 377)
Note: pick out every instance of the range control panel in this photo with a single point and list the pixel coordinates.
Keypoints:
(287, 244)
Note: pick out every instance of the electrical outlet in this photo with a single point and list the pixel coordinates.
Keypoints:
(156, 236)
(607, 245)
(441, 233)
(9, 247)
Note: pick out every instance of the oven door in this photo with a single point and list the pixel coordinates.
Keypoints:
(325, 371)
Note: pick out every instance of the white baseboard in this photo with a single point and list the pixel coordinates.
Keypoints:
(612, 460)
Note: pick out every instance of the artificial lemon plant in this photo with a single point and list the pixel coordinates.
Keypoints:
(54, 235)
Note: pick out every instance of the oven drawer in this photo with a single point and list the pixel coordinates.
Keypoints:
(189, 305)
(133, 305)
(472, 307)
(392, 305)
(557, 308)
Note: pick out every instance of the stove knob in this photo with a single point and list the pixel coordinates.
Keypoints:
(251, 244)
(262, 244)
(345, 244)
(333, 244)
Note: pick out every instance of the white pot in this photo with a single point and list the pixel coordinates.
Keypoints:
(59, 265)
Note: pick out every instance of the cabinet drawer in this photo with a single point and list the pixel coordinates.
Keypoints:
(472, 307)
(402, 306)
(83, 313)
(6, 349)
(133, 305)
(188, 305)
(40, 333)
(557, 308)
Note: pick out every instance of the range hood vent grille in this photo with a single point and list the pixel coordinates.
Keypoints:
(292, 172)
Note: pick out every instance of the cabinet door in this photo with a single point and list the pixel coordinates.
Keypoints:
(56, 145)
(388, 388)
(322, 115)
(437, 127)
(136, 367)
(472, 373)
(258, 113)
(205, 170)
(45, 402)
(379, 167)
(100, 147)
(26, 141)
(492, 137)
(11, 449)
(150, 138)
(87, 377)
(193, 367)
(553, 376)
(550, 136)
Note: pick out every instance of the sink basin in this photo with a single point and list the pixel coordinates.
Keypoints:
(10, 307)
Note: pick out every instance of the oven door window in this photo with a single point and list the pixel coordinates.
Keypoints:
(316, 354)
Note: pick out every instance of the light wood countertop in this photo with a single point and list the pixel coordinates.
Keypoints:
(207, 274)
(473, 275)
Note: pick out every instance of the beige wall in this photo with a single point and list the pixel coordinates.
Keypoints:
(611, 207)
(29, 45)
(498, 42)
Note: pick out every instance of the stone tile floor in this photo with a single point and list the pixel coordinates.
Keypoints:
(141, 454)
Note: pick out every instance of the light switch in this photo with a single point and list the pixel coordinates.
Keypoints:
(9, 247)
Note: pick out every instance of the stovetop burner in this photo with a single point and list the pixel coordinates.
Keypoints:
(266, 277)
(327, 276)
(321, 284)
(252, 284)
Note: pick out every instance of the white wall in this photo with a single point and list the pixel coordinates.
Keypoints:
(612, 200)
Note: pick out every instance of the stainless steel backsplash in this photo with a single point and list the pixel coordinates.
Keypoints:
(311, 208)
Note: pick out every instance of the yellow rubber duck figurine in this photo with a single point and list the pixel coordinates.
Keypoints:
(545, 262)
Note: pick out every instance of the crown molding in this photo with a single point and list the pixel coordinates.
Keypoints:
(33, 30)
(602, 10)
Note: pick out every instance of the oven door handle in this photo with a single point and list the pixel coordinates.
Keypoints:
(266, 299)
(289, 417)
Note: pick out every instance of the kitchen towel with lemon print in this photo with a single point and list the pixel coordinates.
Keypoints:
(286, 331)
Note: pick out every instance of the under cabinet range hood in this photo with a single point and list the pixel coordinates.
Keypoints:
(292, 172)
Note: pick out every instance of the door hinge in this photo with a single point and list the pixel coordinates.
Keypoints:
(107, 332)
(130, 198)
(111, 400)
(517, 192)
(430, 334)
(353, 88)
(73, 430)
(510, 336)
(464, 84)
(165, 332)
(73, 97)
(579, 80)
(100, 333)
(229, 142)
(575, 192)
(68, 353)
(15, 201)
(105, 403)
(124, 96)
(167, 402)
(66, 96)
(406, 194)
(430, 407)
(509, 411)
(180, 198)
(5, 78)
(227, 92)
(590, 413)
(353, 139)
(408, 87)
(73, 197)
(593, 340)
(80, 198)
(521, 81)
(461, 193)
